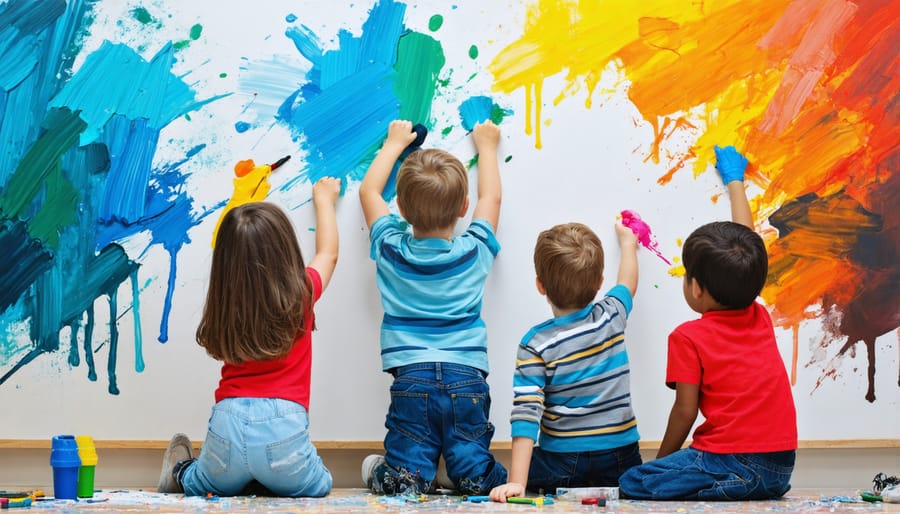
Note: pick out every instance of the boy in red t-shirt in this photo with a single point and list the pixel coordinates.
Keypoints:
(726, 365)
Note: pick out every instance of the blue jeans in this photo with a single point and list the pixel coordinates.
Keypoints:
(261, 439)
(691, 474)
(438, 408)
(599, 468)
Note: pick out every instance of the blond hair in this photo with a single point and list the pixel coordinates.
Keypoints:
(568, 260)
(432, 187)
(259, 292)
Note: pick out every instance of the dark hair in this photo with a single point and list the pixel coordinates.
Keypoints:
(259, 292)
(568, 260)
(728, 260)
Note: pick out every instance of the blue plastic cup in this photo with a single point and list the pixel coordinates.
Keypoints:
(65, 462)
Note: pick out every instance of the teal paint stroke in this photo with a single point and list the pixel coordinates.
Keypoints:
(76, 179)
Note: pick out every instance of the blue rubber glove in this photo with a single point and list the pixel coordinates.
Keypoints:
(730, 163)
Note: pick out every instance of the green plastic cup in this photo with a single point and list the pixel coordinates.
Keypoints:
(88, 455)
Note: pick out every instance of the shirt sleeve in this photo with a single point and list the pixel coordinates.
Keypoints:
(683, 363)
(316, 281)
(528, 394)
(481, 230)
(623, 295)
(382, 228)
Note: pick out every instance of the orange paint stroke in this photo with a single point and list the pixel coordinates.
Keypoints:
(806, 89)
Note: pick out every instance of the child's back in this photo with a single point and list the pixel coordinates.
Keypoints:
(725, 365)
(258, 320)
(433, 340)
(572, 391)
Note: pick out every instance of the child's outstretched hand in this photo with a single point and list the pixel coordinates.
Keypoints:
(486, 136)
(326, 189)
(730, 163)
(400, 134)
(626, 236)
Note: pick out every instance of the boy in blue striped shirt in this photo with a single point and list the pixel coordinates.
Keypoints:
(571, 389)
(433, 340)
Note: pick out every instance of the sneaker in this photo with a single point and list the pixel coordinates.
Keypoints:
(891, 494)
(368, 468)
(179, 450)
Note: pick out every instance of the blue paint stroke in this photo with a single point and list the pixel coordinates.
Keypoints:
(475, 110)
(122, 103)
(341, 114)
(241, 127)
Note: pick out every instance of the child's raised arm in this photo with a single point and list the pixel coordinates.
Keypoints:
(325, 194)
(628, 263)
(400, 135)
(487, 138)
(731, 165)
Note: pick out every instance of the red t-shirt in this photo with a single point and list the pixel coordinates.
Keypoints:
(745, 394)
(287, 378)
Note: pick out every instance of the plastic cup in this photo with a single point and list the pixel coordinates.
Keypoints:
(65, 462)
(88, 455)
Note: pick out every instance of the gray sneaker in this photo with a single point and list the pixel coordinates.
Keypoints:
(179, 450)
(368, 468)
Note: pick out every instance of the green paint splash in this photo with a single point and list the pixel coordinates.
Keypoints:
(195, 32)
(420, 59)
(435, 22)
(142, 15)
(473, 52)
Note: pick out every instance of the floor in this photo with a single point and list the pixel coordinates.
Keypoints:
(358, 500)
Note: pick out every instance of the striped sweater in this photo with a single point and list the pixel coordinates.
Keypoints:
(571, 386)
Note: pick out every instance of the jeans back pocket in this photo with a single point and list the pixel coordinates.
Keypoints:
(471, 414)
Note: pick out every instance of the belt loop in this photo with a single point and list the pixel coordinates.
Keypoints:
(437, 372)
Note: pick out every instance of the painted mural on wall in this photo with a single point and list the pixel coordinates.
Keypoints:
(89, 183)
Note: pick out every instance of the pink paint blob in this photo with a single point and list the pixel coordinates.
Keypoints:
(642, 230)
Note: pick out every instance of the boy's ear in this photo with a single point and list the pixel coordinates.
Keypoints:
(696, 289)
(540, 286)
(465, 207)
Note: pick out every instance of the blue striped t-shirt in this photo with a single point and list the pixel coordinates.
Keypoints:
(571, 388)
(431, 291)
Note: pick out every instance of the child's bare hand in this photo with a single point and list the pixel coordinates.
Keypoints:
(400, 134)
(326, 189)
(486, 136)
(627, 237)
(502, 492)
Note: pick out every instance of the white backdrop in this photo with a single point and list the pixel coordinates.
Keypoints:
(592, 166)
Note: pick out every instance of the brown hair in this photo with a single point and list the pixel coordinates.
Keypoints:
(568, 260)
(432, 187)
(259, 292)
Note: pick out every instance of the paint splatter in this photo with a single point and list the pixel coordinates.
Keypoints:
(806, 89)
(435, 23)
(479, 109)
(341, 115)
(77, 178)
(644, 235)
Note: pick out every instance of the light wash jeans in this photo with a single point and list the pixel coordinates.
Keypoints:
(691, 474)
(261, 439)
(438, 408)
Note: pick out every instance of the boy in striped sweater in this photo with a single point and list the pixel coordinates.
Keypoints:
(571, 385)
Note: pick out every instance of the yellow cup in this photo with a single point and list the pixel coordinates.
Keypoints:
(88, 455)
